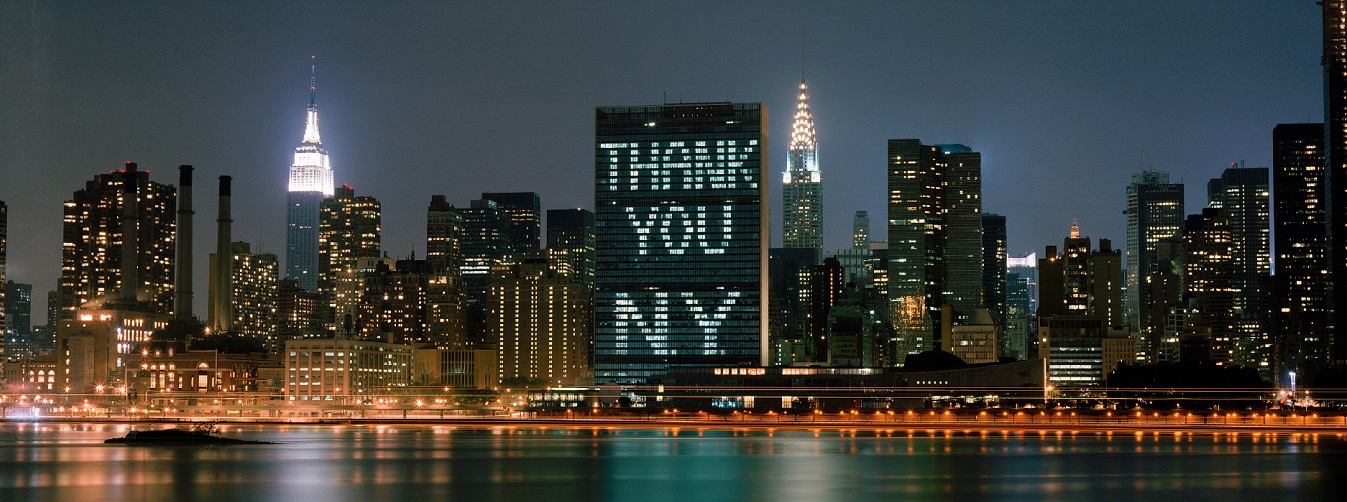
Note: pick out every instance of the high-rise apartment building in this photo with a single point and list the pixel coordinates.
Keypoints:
(255, 287)
(93, 248)
(540, 321)
(681, 213)
(570, 243)
(349, 228)
(802, 185)
(1154, 215)
(1302, 274)
(310, 183)
(297, 311)
(1334, 60)
(935, 240)
(1243, 194)
(525, 210)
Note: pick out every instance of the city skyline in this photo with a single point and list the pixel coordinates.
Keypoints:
(250, 105)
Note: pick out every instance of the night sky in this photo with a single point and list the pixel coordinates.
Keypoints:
(1064, 99)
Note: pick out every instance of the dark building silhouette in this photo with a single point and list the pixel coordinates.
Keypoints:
(1302, 279)
(525, 210)
(994, 256)
(570, 243)
(1335, 159)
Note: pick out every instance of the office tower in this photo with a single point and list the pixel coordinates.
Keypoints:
(570, 243)
(994, 268)
(444, 229)
(255, 291)
(1302, 269)
(18, 326)
(296, 311)
(1334, 60)
(802, 185)
(540, 321)
(935, 240)
(860, 230)
(855, 260)
(1209, 280)
(95, 220)
(1021, 305)
(1243, 194)
(962, 204)
(525, 210)
(484, 245)
(1154, 215)
(825, 290)
(310, 183)
(681, 213)
(349, 229)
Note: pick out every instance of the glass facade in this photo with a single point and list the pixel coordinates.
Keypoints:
(681, 237)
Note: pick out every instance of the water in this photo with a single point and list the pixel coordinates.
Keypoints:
(423, 462)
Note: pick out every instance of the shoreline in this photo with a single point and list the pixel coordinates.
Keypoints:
(934, 426)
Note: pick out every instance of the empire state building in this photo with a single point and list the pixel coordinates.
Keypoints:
(310, 183)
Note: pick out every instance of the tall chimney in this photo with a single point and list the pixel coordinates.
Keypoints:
(130, 236)
(182, 281)
(224, 263)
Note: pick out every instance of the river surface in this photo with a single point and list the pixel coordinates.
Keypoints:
(69, 462)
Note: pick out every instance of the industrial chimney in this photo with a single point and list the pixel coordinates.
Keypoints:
(182, 281)
(130, 273)
(224, 263)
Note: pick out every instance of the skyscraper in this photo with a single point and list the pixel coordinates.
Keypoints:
(1244, 196)
(935, 240)
(1302, 269)
(1154, 215)
(856, 259)
(526, 214)
(1209, 280)
(802, 186)
(93, 247)
(18, 326)
(310, 183)
(349, 229)
(444, 229)
(570, 243)
(1335, 158)
(4, 246)
(994, 268)
(681, 213)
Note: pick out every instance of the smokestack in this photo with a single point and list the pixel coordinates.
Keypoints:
(224, 263)
(182, 282)
(130, 235)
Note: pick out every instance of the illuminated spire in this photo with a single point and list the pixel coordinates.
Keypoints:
(802, 131)
(311, 171)
(1075, 229)
(311, 126)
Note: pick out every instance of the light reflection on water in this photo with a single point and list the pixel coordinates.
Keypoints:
(331, 463)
